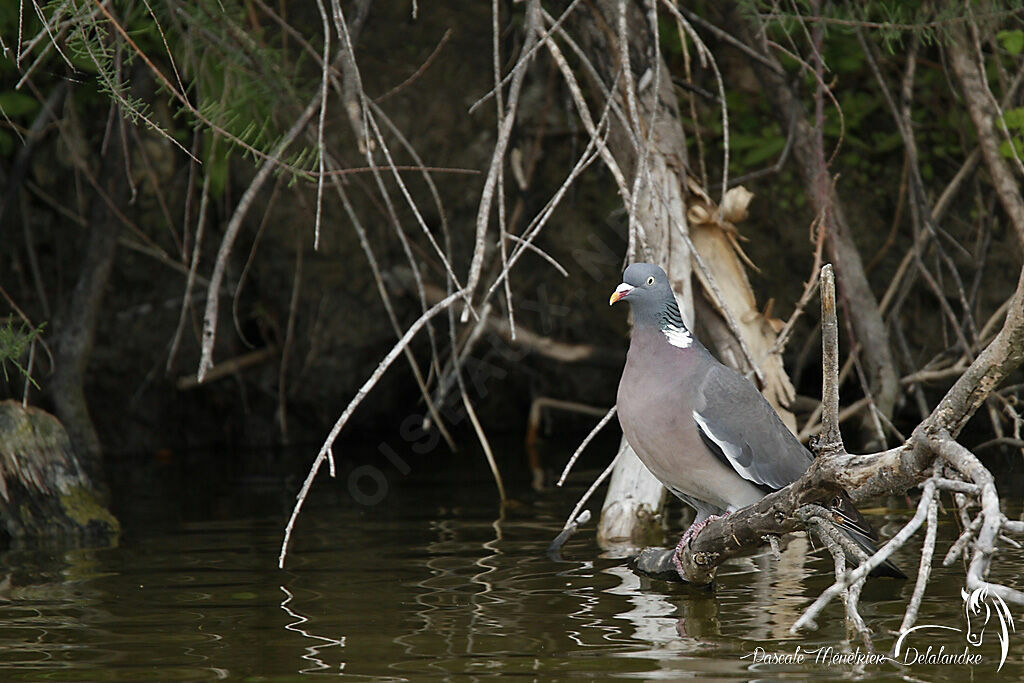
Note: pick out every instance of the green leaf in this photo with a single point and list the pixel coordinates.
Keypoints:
(765, 150)
(15, 104)
(13, 344)
(1005, 150)
(887, 141)
(217, 157)
(1013, 41)
(1014, 118)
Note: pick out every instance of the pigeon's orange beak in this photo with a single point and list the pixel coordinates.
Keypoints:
(620, 293)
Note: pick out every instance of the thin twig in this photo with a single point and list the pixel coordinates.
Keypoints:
(190, 280)
(574, 515)
(500, 147)
(832, 439)
(467, 404)
(325, 61)
(419, 72)
(924, 569)
(350, 408)
(293, 308)
(389, 308)
(586, 442)
(961, 542)
(806, 619)
(231, 232)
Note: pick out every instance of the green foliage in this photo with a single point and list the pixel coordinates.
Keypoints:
(1014, 122)
(1012, 41)
(16, 104)
(91, 49)
(858, 121)
(235, 82)
(241, 81)
(762, 148)
(216, 166)
(14, 342)
(892, 21)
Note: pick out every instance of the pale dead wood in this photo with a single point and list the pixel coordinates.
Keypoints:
(892, 471)
(586, 442)
(499, 106)
(860, 573)
(186, 301)
(992, 518)
(500, 147)
(326, 449)
(351, 92)
(231, 233)
(925, 566)
(385, 298)
(227, 367)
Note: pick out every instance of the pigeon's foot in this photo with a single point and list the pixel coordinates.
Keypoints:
(688, 536)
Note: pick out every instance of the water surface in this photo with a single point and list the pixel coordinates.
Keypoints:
(434, 581)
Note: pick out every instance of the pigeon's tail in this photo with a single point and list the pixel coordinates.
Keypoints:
(857, 529)
(865, 542)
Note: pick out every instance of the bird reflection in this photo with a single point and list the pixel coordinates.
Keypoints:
(676, 622)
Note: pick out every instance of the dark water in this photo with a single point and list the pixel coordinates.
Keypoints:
(435, 581)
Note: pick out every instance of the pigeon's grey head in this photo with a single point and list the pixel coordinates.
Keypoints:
(646, 288)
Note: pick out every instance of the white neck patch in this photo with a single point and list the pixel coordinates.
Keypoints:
(679, 337)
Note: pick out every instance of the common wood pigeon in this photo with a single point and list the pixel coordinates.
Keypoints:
(701, 427)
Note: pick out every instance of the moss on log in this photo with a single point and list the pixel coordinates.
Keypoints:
(43, 490)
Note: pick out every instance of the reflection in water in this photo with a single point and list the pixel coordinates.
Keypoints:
(777, 587)
(419, 589)
(684, 625)
(60, 618)
(312, 651)
(653, 617)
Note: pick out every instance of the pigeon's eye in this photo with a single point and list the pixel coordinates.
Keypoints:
(650, 281)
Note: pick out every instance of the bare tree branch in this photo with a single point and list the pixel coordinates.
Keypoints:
(326, 452)
(982, 108)
(888, 472)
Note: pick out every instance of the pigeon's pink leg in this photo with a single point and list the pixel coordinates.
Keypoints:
(688, 536)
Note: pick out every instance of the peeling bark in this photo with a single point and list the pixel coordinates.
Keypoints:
(648, 139)
(629, 514)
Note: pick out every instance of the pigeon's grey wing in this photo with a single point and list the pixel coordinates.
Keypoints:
(742, 429)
